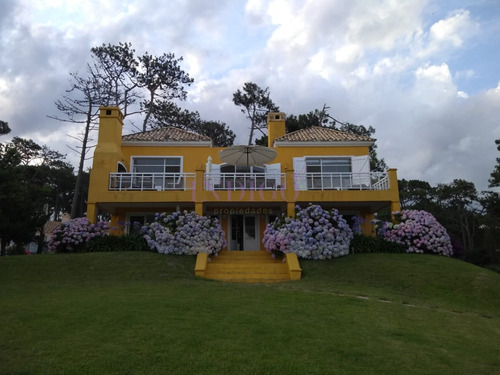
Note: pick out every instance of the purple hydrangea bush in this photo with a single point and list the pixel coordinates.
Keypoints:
(419, 231)
(73, 234)
(315, 233)
(185, 233)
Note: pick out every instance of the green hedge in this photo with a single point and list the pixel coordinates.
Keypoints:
(369, 244)
(128, 242)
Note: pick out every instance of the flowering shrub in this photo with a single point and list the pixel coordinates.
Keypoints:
(184, 233)
(419, 231)
(313, 234)
(72, 235)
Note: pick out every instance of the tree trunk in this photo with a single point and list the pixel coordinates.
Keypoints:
(76, 195)
(3, 246)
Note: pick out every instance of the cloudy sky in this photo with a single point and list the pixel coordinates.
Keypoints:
(424, 73)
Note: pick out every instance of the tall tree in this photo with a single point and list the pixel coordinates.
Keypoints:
(80, 105)
(220, 134)
(163, 79)
(117, 77)
(256, 104)
(4, 128)
(25, 189)
(169, 114)
(460, 210)
(417, 195)
(115, 67)
(495, 175)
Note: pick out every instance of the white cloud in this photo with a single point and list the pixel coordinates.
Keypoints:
(404, 67)
(453, 29)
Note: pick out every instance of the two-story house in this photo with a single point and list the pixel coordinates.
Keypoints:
(136, 175)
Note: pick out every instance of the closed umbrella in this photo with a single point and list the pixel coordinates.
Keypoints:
(247, 155)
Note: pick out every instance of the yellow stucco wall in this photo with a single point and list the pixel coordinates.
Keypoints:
(110, 151)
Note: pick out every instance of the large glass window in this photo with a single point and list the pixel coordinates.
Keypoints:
(157, 165)
(328, 173)
(158, 173)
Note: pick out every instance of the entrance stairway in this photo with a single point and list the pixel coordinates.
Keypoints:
(247, 267)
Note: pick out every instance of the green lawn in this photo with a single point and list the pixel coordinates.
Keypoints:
(146, 313)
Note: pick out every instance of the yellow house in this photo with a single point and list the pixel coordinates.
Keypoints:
(134, 176)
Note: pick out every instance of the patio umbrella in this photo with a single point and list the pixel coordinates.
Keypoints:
(247, 155)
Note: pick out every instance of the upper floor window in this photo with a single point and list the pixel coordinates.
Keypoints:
(328, 165)
(342, 172)
(156, 164)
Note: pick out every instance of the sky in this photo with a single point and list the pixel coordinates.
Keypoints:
(424, 73)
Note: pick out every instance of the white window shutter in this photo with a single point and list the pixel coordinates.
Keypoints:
(216, 174)
(213, 178)
(299, 170)
(361, 169)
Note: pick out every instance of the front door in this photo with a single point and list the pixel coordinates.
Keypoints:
(244, 233)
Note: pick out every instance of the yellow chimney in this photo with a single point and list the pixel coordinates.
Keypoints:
(110, 125)
(275, 127)
(109, 141)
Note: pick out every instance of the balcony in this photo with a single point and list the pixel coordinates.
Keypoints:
(244, 181)
(248, 181)
(152, 181)
(341, 181)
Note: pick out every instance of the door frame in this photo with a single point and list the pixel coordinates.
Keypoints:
(257, 231)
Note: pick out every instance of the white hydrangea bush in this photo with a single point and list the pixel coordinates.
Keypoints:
(315, 233)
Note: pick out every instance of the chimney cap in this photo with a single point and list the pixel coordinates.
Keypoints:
(276, 116)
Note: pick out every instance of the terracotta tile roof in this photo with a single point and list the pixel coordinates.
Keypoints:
(321, 134)
(164, 135)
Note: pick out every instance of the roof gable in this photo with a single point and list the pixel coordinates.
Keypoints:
(322, 134)
(166, 134)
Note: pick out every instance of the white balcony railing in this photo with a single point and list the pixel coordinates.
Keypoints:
(244, 181)
(152, 181)
(341, 181)
(249, 181)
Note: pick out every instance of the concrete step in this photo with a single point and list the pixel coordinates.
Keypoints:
(248, 267)
(245, 267)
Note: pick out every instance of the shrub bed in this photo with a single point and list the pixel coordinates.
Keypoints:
(127, 242)
(315, 233)
(185, 233)
(72, 235)
(370, 244)
(419, 232)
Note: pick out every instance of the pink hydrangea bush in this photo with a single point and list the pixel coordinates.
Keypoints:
(419, 231)
(72, 235)
(185, 233)
(315, 233)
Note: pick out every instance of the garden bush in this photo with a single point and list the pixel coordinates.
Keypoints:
(127, 242)
(370, 244)
(184, 233)
(315, 233)
(72, 235)
(419, 232)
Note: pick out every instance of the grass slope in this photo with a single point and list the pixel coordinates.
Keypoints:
(145, 313)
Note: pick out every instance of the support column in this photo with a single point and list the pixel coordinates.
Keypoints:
(92, 212)
(290, 192)
(367, 227)
(199, 191)
(117, 225)
(395, 207)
